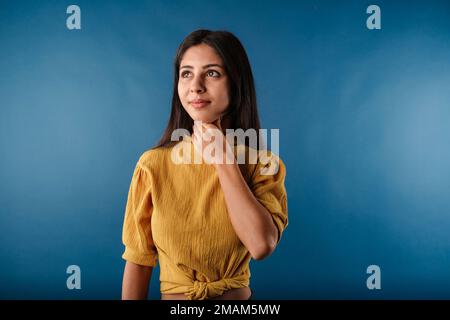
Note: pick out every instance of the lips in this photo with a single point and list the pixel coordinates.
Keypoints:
(199, 103)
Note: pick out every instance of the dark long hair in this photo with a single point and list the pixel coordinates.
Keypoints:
(242, 109)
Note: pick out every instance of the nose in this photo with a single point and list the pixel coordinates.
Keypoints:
(197, 85)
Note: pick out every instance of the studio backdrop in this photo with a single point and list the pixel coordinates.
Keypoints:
(358, 90)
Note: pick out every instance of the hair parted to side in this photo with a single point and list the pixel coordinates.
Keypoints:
(242, 109)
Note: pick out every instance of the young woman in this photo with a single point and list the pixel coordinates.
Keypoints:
(203, 222)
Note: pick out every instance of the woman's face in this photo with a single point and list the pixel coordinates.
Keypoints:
(202, 77)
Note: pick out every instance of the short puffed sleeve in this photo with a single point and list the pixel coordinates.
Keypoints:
(137, 232)
(268, 186)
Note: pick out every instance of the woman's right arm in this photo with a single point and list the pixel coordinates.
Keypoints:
(136, 281)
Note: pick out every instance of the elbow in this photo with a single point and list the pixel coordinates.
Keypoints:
(264, 251)
(266, 246)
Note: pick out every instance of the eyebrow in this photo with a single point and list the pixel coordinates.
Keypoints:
(204, 67)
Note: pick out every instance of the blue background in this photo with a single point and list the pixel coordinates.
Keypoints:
(364, 131)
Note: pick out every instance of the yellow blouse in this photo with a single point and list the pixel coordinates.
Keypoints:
(176, 214)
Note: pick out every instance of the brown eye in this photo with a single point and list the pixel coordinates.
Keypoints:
(183, 74)
(213, 73)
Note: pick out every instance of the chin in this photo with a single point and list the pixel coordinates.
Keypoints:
(204, 118)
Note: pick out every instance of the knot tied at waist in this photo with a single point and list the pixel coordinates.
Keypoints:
(195, 284)
(201, 290)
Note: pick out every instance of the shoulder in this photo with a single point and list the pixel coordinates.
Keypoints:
(260, 164)
(263, 161)
(270, 164)
(152, 159)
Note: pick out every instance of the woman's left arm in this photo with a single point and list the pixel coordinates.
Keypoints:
(250, 219)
